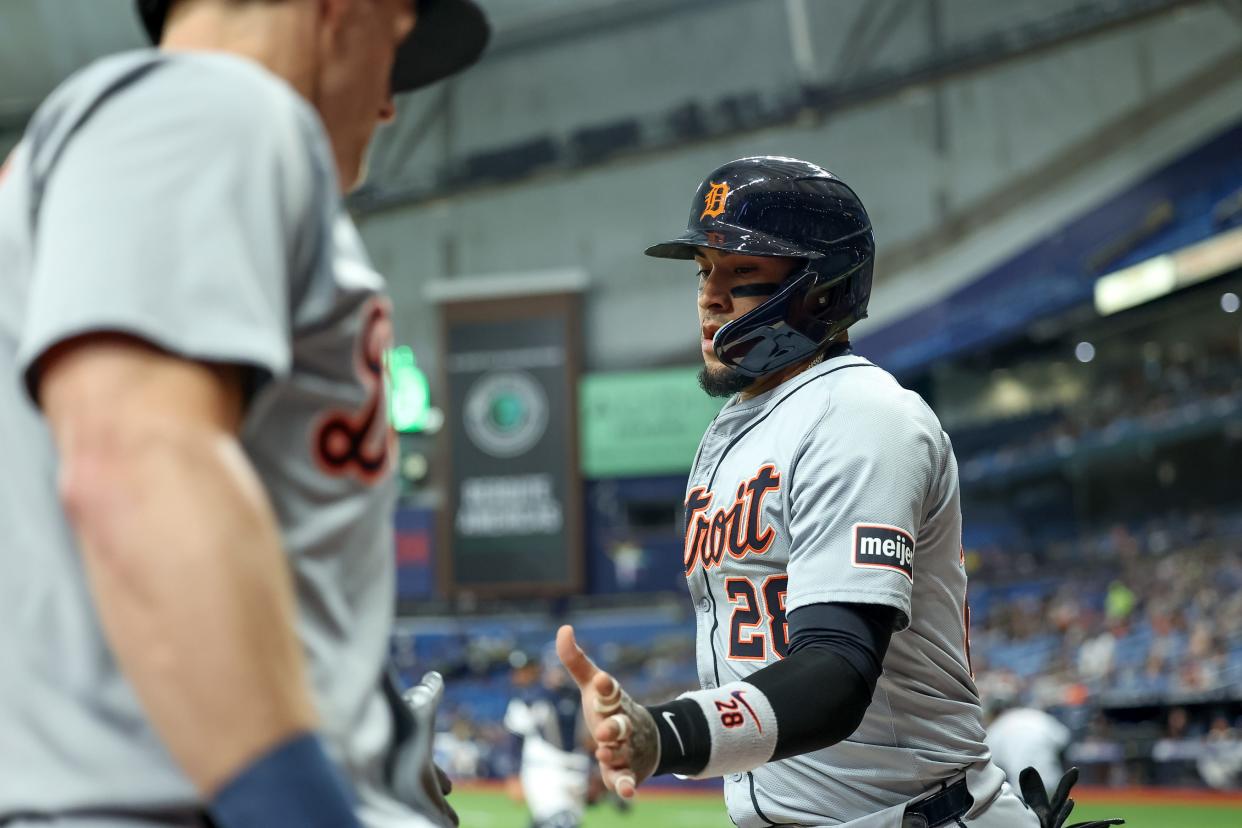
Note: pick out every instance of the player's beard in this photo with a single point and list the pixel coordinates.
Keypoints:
(722, 381)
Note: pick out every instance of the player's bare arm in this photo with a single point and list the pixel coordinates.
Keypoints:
(181, 549)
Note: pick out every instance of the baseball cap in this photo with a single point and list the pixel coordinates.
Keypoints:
(450, 36)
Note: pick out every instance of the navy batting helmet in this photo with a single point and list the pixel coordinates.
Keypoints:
(450, 36)
(773, 206)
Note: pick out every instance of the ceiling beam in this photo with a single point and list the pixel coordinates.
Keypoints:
(828, 97)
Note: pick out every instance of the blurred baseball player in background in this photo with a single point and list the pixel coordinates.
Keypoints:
(552, 746)
(1025, 737)
(197, 495)
(822, 547)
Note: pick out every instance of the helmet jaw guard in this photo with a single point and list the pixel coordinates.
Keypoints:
(813, 307)
(775, 206)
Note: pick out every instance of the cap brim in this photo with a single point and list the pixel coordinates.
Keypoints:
(728, 237)
(450, 36)
(152, 14)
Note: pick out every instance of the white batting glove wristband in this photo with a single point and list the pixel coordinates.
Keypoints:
(742, 725)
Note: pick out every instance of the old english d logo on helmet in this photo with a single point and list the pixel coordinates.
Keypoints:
(773, 206)
(714, 201)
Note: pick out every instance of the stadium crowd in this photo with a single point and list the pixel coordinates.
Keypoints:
(1140, 616)
(1163, 391)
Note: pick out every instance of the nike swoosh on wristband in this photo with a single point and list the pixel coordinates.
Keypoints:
(668, 717)
(737, 694)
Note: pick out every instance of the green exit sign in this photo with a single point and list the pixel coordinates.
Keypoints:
(409, 398)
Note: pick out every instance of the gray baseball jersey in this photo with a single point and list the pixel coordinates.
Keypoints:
(838, 486)
(191, 201)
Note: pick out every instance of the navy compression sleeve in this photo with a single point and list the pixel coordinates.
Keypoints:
(819, 692)
(838, 649)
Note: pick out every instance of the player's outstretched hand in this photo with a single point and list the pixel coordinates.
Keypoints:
(628, 746)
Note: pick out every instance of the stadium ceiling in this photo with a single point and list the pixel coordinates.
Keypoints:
(43, 41)
(856, 79)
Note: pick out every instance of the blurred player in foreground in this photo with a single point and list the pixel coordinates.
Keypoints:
(822, 548)
(546, 719)
(198, 584)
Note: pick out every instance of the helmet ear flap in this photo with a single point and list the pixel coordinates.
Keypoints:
(837, 298)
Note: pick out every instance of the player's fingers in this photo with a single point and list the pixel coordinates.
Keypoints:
(581, 668)
(611, 775)
(607, 694)
(616, 728)
(613, 757)
(624, 785)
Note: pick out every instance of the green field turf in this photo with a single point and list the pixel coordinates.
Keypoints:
(486, 809)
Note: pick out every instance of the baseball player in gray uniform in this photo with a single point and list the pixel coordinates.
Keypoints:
(822, 547)
(197, 488)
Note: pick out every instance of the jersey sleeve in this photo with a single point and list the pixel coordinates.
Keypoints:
(176, 213)
(860, 482)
